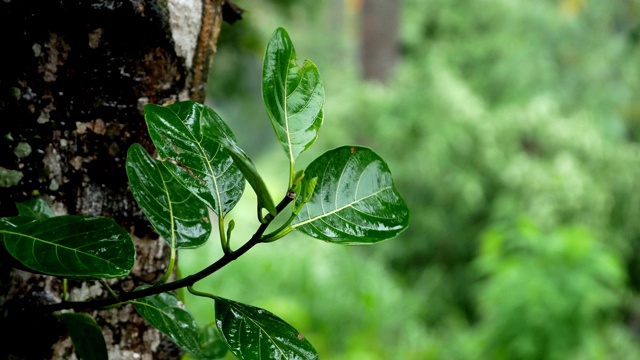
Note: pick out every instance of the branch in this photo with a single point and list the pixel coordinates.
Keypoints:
(185, 282)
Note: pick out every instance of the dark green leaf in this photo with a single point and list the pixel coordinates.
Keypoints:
(12, 223)
(177, 215)
(354, 201)
(167, 314)
(213, 347)
(293, 96)
(35, 208)
(86, 336)
(76, 247)
(198, 162)
(256, 334)
(216, 129)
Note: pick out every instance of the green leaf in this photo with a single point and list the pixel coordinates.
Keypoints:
(167, 314)
(214, 128)
(256, 334)
(35, 208)
(213, 347)
(12, 223)
(293, 96)
(199, 163)
(76, 247)
(177, 215)
(354, 201)
(86, 336)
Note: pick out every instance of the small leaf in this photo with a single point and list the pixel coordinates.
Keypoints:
(77, 247)
(256, 334)
(293, 96)
(35, 208)
(199, 163)
(177, 215)
(213, 347)
(86, 336)
(167, 314)
(354, 201)
(216, 129)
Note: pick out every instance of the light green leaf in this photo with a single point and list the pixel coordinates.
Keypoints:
(256, 334)
(214, 128)
(35, 208)
(177, 215)
(77, 247)
(354, 200)
(293, 96)
(86, 336)
(167, 314)
(200, 164)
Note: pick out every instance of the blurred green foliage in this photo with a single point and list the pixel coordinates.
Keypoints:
(512, 129)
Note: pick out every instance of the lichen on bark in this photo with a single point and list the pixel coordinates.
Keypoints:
(74, 88)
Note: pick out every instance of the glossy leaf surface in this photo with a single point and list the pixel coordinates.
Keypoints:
(86, 336)
(12, 223)
(76, 247)
(181, 218)
(199, 163)
(214, 128)
(35, 208)
(256, 334)
(293, 95)
(354, 201)
(167, 314)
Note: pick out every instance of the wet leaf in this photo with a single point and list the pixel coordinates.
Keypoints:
(181, 218)
(256, 334)
(214, 128)
(167, 314)
(354, 201)
(86, 336)
(293, 96)
(199, 163)
(76, 247)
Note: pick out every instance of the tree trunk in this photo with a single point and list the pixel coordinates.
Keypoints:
(75, 79)
(379, 38)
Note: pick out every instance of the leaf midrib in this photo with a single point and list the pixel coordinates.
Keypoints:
(339, 208)
(56, 245)
(206, 159)
(261, 329)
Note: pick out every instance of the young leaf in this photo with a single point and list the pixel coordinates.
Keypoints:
(354, 201)
(256, 334)
(86, 336)
(35, 208)
(77, 247)
(214, 128)
(293, 96)
(199, 163)
(167, 314)
(177, 215)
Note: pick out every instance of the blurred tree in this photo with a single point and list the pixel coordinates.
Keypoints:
(544, 296)
(72, 89)
(379, 38)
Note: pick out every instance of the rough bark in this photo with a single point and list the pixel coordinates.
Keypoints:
(75, 79)
(379, 38)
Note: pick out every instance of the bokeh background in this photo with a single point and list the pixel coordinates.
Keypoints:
(512, 130)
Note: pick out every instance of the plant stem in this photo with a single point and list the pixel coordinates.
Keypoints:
(185, 282)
